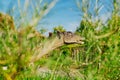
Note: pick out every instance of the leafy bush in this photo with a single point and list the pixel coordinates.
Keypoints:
(97, 59)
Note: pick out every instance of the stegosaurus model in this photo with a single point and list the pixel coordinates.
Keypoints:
(57, 41)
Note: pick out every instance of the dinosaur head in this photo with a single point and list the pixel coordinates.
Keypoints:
(71, 38)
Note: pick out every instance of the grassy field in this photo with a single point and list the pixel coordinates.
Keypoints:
(97, 59)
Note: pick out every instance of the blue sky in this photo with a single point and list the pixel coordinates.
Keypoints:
(65, 13)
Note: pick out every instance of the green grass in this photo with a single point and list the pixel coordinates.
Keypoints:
(97, 59)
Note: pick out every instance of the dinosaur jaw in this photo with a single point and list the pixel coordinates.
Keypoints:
(78, 41)
(81, 40)
(74, 40)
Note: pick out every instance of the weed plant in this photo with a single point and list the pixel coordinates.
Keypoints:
(97, 59)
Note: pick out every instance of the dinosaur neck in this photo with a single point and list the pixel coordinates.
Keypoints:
(47, 47)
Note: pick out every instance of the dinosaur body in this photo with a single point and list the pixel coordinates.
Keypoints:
(61, 39)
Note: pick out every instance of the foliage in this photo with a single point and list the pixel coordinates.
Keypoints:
(58, 28)
(102, 50)
(97, 59)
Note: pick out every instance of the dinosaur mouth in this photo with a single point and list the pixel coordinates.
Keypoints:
(73, 41)
(81, 40)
